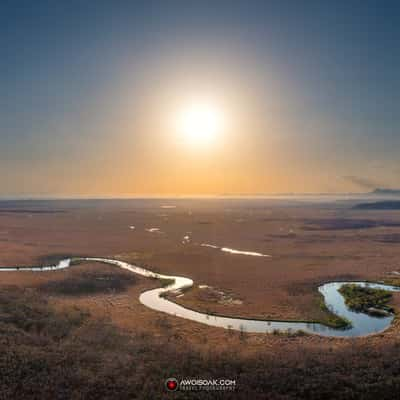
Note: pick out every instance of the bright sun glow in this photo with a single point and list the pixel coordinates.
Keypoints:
(200, 123)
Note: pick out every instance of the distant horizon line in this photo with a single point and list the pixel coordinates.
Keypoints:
(179, 196)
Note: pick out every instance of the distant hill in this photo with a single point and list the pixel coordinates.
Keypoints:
(379, 205)
(386, 192)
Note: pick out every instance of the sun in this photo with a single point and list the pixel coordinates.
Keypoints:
(200, 123)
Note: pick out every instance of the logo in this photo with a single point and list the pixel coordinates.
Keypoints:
(197, 384)
(171, 384)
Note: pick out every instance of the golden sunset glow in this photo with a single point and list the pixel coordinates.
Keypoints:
(196, 107)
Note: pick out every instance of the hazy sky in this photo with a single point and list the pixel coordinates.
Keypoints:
(89, 92)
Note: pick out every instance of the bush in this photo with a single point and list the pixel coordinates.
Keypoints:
(365, 299)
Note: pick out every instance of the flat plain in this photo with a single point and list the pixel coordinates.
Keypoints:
(309, 243)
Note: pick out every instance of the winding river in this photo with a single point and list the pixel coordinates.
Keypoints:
(362, 324)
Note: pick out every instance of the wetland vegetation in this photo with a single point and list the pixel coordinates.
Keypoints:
(89, 283)
(69, 354)
(366, 299)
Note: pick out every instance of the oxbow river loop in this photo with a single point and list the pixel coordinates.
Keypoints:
(361, 324)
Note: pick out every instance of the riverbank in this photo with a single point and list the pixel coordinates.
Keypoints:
(350, 324)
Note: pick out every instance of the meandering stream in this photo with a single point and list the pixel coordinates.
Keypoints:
(362, 324)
